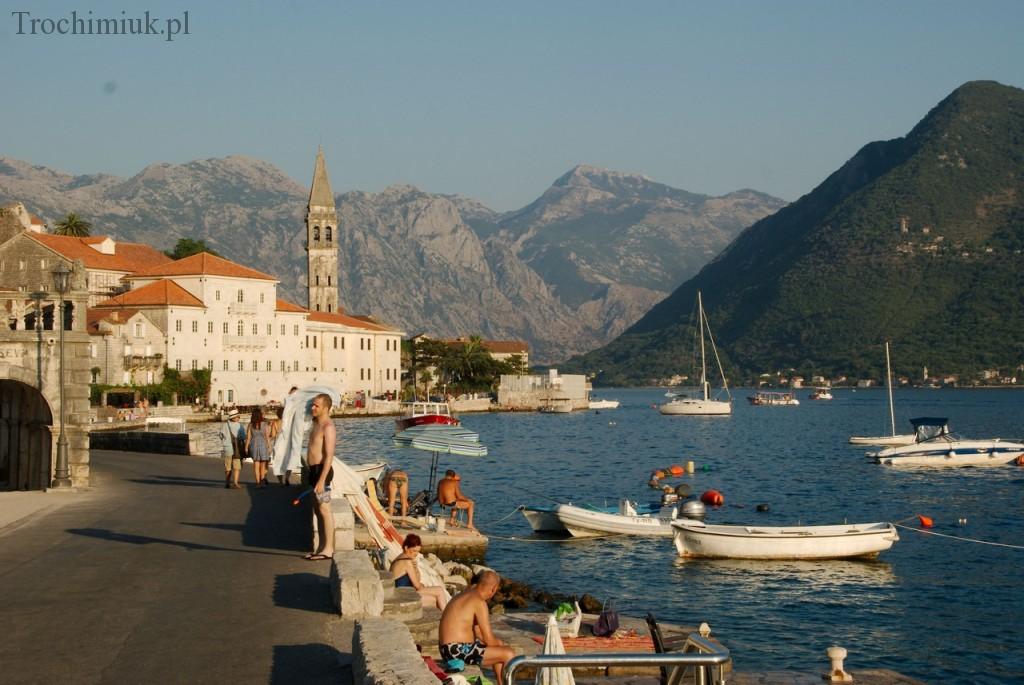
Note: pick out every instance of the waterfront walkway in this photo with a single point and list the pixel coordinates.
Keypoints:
(159, 574)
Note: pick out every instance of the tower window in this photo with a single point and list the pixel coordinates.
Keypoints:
(318, 307)
(317, 278)
(329, 307)
(327, 233)
(328, 280)
(316, 234)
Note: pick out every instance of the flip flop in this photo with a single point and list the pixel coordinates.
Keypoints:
(316, 557)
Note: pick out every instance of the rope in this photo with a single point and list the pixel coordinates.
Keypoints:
(507, 516)
(957, 537)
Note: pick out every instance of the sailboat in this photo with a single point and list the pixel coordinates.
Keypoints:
(891, 440)
(700, 402)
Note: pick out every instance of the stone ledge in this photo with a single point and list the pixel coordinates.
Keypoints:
(356, 591)
(383, 653)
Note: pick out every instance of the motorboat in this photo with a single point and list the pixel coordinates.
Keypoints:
(595, 403)
(369, 470)
(542, 519)
(821, 394)
(700, 402)
(581, 522)
(893, 439)
(698, 539)
(421, 413)
(935, 445)
(773, 399)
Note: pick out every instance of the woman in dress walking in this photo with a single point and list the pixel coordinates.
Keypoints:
(257, 446)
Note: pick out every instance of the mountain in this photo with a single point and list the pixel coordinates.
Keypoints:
(917, 239)
(566, 273)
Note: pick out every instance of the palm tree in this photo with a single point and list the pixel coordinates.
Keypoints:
(73, 225)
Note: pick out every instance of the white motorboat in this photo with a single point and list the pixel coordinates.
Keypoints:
(424, 413)
(542, 519)
(822, 393)
(773, 399)
(892, 439)
(697, 539)
(700, 402)
(935, 445)
(581, 522)
(595, 403)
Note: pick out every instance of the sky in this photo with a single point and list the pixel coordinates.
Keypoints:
(495, 100)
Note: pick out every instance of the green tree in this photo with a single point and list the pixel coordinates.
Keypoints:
(73, 225)
(186, 247)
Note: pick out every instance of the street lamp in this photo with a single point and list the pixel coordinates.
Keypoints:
(62, 283)
(39, 296)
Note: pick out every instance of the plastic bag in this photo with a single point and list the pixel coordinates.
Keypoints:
(607, 621)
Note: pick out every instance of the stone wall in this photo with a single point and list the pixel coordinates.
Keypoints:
(383, 653)
(147, 441)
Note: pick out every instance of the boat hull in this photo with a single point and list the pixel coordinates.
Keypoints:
(425, 420)
(952, 453)
(695, 407)
(885, 440)
(581, 523)
(603, 404)
(866, 540)
(543, 520)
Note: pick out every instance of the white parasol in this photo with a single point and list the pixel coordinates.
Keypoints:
(553, 645)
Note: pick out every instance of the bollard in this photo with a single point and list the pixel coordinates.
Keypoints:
(836, 673)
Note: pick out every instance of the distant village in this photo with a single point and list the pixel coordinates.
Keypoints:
(780, 379)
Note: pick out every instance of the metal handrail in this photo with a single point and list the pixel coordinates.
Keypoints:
(711, 655)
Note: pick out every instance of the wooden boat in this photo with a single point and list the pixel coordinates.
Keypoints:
(892, 439)
(773, 399)
(581, 522)
(700, 402)
(935, 445)
(542, 519)
(421, 413)
(697, 539)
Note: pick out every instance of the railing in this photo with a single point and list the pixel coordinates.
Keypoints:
(704, 657)
(243, 308)
(139, 361)
(245, 341)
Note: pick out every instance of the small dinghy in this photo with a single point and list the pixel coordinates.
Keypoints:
(583, 522)
(542, 519)
(697, 539)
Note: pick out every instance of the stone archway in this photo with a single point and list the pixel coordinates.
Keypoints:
(25, 437)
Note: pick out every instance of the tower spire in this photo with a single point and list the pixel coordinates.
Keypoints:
(320, 194)
(322, 242)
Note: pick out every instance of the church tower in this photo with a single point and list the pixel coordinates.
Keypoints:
(321, 242)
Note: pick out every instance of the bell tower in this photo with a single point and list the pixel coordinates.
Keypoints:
(321, 242)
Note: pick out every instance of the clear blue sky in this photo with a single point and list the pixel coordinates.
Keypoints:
(496, 100)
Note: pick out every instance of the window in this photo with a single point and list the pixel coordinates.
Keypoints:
(335, 342)
(255, 329)
(368, 343)
(177, 325)
(195, 326)
(327, 235)
(316, 234)
(241, 365)
(283, 366)
(195, 364)
(328, 280)
(241, 296)
(314, 342)
(307, 341)
(231, 395)
(216, 295)
(270, 366)
(330, 307)
(296, 329)
(177, 364)
(318, 306)
(209, 327)
(361, 343)
(138, 330)
(241, 328)
(317, 279)
(282, 329)
(343, 342)
(209, 365)
(225, 327)
(270, 329)
(296, 367)
(225, 364)
(261, 298)
(360, 374)
(255, 365)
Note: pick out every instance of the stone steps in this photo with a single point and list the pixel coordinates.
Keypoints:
(424, 630)
(405, 605)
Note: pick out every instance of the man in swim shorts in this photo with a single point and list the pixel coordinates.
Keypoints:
(320, 462)
(467, 616)
(449, 494)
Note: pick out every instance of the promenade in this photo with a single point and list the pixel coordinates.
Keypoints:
(159, 574)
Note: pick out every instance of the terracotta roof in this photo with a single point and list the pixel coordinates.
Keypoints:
(162, 292)
(127, 257)
(93, 317)
(35, 220)
(285, 306)
(206, 264)
(346, 320)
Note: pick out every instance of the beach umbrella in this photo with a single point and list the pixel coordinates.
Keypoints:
(440, 439)
(553, 645)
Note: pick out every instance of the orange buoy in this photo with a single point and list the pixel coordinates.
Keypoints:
(926, 521)
(676, 470)
(713, 497)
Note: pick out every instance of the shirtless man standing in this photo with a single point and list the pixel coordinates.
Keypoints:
(449, 494)
(465, 630)
(319, 460)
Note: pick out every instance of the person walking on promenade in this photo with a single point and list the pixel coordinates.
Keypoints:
(229, 450)
(407, 574)
(465, 629)
(396, 483)
(257, 446)
(449, 494)
(319, 459)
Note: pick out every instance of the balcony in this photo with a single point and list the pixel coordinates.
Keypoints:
(142, 361)
(242, 309)
(246, 341)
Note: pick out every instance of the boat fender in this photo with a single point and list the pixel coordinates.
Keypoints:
(713, 497)
(676, 470)
(762, 507)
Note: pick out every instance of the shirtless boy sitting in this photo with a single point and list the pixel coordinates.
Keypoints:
(449, 494)
(465, 630)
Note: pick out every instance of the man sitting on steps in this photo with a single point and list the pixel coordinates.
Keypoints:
(465, 630)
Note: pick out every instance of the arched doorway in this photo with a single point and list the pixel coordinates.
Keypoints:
(25, 437)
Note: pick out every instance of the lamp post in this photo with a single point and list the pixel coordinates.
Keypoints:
(62, 476)
(39, 296)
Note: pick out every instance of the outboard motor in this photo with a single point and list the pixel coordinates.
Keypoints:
(693, 509)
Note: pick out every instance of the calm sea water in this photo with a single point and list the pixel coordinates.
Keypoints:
(939, 609)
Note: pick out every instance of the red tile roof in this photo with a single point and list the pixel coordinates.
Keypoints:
(162, 292)
(206, 264)
(127, 257)
(346, 320)
(285, 306)
(94, 316)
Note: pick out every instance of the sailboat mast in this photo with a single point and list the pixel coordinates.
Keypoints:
(888, 385)
(703, 362)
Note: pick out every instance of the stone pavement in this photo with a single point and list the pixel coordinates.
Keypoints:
(158, 574)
